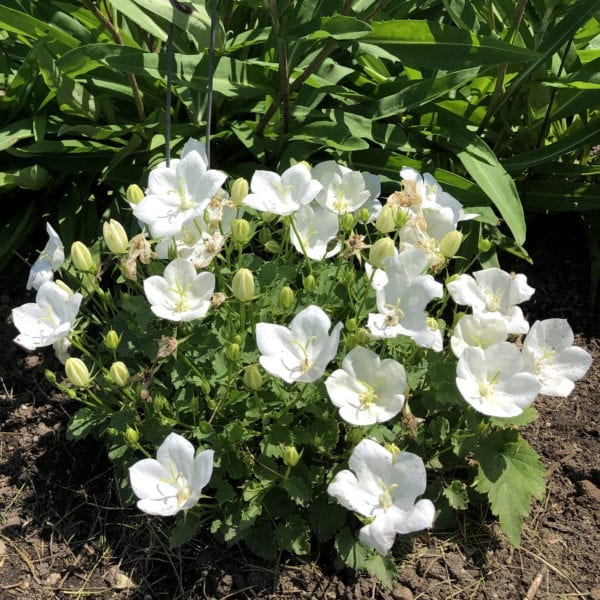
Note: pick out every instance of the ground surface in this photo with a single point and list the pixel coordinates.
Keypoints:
(63, 535)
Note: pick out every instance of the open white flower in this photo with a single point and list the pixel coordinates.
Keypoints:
(282, 195)
(47, 321)
(174, 480)
(385, 487)
(177, 193)
(316, 227)
(180, 294)
(549, 354)
(403, 292)
(50, 259)
(494, 291)
(478, 330)
(494, 380)
(300, 353)
(366, 389)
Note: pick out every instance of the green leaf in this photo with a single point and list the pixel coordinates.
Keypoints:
(511, 474)
(527, 416)
(294, 535)
(340, 28)
(559, 195)
(326, 518)
(185, 529)
(457, 495)
(429, 44)
(85, 421)
(29, 178)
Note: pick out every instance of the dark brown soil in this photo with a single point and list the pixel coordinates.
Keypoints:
(63, 534)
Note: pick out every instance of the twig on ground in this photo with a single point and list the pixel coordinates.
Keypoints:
(535, 584)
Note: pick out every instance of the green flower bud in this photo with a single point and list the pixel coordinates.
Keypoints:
(286, 297)
(381, 249)
(386, 221)
(242, 285)
(291, 456)
(239, 190)
(119, 374)
(273, 247)
(401, 217)
(351, 324)
(252, 377)
(363, 215)
(347, 222)
(240, 231)
(63, 286)
(77, 373)
(132, 437)
(264, 235)
(484, 245)
(233, 352)
(82, 257)
(309, 283)
(50, 375)
(115, 237)
(112, 340)
(135, 194)
(451, 243)
(267, 217)
(362, 336)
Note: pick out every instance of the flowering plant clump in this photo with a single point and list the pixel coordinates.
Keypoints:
(294, 352)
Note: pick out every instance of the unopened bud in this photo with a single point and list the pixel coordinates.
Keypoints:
(252, 378)
(242, 285)
(112, 340)
(273, 247)
(484, 245)
(115, 237)
(364, 215)
(135, 194)
(451, 243)
(77, 373)
(239, 190)
(362, 336)
(351, 324)
(386, 221)
(63, 286)
(383, 248)
(347, 221)
(291, 456)
(309, 283)
(267, 217)
(132, 437)
(264, 235)
(240, 231)
(233, 352)
(119, 373)
(286, 297)
(82, 257)
(50, 375)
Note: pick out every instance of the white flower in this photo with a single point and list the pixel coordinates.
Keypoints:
(48, 320)
(174, 480)
(478, 330)
(494, 291)
(384, 487)
(344, 190)
(494, 380)
(301, 352)
(316, 228)
(282, 195)
(549, 354)
(366, 389)
(50, 259)
(403, 292)
(177, 193)
(180, 294)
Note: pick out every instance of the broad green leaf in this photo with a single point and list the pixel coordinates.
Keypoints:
(15, 132)
(559, 195)
(29, 178)
(21, 23)
(140, 17)
(294, 535)
(457, 495)
(511, 474)
(326, 518)
(340, 28)
(429, 44)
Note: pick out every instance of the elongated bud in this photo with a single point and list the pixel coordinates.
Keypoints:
(242, 285)
(115, 237)
(239, 190)
(451, 243)
(286, 297)
(63, 286)
(132, 437)
(119, 373)
(82, 257)
(351, 324)
(135, 194)
(291, 456)
(381, 249)
(233, 352)
(364, 215)
(309, 283)
(252, 378)
(347, 222)
(386, 221)
(112, 340)
(240, 231)
(77, 373)
(273, 247)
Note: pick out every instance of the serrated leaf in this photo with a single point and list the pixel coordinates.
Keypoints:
(294, 535)
(383, 568)
(326, 518)
(185, 529)
(457, 495)
(527, 416)
(84, 422)
(511, 474)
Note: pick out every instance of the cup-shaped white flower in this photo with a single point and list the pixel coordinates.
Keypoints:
(494, 380)
(302, 351)
(549, 353)
(180, 294)
(177, 193)
(174, 480)
(403, 292)
(282, 195)
(494, 291)
(48, 320)
(478, 330)
(366, 389)
(50, 259)
(384, 487)
(314, 228)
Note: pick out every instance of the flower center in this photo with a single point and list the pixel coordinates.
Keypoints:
(185, 202)
(543, 356)
(368, 397)
(394, 315)
(385, 498)
(486, 387)
(492, 301)
(181, 303)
